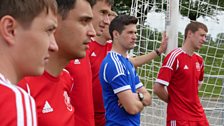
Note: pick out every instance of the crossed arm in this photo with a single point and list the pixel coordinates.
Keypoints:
(132, 103)
(129, 100)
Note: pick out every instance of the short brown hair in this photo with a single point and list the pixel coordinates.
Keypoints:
(109, 2)
(119, 23)
(194, 26)
(24, 11)
(64, 6)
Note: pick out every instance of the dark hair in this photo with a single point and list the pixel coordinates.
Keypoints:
(64, 6)
(194, 26)
(24, 11)
(109, 2)
(119, 22)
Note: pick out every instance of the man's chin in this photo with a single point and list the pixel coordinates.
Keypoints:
(37, 72)
(80, 56)
(99, 33)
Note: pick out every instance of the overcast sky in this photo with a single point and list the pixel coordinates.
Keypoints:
(215, 24)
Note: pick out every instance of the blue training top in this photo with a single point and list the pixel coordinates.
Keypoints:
(118, 74)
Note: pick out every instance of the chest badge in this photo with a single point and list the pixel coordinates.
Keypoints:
(67, 101)
(198, 66)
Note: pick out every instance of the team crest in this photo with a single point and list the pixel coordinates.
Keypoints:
(198, 68)
(67, 101)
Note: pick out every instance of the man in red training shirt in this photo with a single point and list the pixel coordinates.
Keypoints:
(182, 73)
(51, 91)
(26, 34)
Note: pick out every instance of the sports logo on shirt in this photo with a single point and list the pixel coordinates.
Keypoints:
(186, 67)
(67, 101)
(93, 54)
(76, 61)
(47, 108)
(198, 66)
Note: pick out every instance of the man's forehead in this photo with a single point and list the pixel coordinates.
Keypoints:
(102, 5)
(202, 31)
(83, 8)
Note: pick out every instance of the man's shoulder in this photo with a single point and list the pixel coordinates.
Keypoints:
(67, 80)
(8, 104)
(113, 62)
(111, 58)
(7, 92)
(175, 52)
(198, 56)
(94, 45)
(11, 93)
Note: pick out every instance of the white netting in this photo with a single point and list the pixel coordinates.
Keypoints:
(151, 15)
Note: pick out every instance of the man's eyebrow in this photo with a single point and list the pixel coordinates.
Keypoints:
(86, 17)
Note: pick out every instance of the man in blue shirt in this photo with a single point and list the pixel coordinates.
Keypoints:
(123, 93)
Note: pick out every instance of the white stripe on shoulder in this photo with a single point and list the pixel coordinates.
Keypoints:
(117, 63)
(173, 56)
(27, 107)
(127, 87)
(117, 76)
(34, 112)
(19, 103)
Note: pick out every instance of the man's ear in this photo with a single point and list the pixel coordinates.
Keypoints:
(7, 29)
(189, 33)
(115, 34)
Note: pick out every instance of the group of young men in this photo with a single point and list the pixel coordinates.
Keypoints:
(39, 38)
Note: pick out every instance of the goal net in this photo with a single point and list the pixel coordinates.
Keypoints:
(154, 18)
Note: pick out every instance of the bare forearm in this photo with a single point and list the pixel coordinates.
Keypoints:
(143, 59)
(136, 105)
(130, 102)
(161, 92)
(163, 95)
(199, 86)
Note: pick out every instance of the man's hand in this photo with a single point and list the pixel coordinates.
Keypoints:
(164, 43)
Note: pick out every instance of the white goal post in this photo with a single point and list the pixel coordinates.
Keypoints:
(171, 21)
(156, 16)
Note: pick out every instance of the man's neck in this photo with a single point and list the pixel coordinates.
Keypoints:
(56, 64)
(101, 40)
(187, 47)
(9, 71)
(119, 50)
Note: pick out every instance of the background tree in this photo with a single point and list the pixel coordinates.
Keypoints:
(189, 8)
